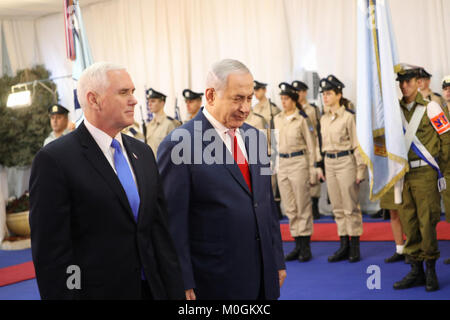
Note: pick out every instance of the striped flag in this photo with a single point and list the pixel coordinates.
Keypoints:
(378, 118)
(77, 46)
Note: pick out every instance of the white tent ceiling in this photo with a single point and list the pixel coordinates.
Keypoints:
(11, 9)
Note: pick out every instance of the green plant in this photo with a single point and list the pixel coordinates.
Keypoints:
(23, 131)
(18, 204)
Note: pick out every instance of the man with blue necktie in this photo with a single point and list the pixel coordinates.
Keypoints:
(97, 211)
(216, 177)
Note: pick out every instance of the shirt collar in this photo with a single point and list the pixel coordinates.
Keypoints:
(102, 138)
(215, 123)
(338, 112)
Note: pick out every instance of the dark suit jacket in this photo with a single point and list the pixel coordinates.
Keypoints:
(80, 215)
(227, 237)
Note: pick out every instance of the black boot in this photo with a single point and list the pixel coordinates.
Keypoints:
(342, 252)
(293, 255)
(305, 249)
(416, 277)
(430, 276)
(315, 208)
(395, 257)
(354, 253)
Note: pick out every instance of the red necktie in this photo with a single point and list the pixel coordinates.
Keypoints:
(240, 159)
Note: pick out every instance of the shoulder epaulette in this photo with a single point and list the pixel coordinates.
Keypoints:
(258, 115)
(302, 113)
(350, 110)
(170, 118)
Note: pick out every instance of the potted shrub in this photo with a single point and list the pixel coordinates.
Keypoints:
(17, 212)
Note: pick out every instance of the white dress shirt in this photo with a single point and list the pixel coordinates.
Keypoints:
(104, 142)
(222, 132)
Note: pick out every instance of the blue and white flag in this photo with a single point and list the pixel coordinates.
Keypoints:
(378, 117)
(77, 45)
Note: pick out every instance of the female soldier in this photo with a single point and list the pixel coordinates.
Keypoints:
(296, 171)
(344, 168)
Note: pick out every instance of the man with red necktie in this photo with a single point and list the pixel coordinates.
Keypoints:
(216, 179)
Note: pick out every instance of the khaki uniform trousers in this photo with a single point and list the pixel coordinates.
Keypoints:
(343, 192)
(315, 190)
(420, 213)
(293, 183)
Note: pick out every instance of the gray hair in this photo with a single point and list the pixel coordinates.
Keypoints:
(94, 78)
(219, 72)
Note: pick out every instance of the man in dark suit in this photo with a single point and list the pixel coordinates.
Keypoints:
(97, 210)
(216, 179)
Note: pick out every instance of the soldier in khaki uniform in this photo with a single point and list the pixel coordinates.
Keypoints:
(161, 124)
(59, 121)
(193, 102)
(420, 207)
(344, 169)
(446, 164)
(262, 108)
(296, 171)
(344, 101)
(134, 131)
(313, 116)
(256, 120)
(424, 88)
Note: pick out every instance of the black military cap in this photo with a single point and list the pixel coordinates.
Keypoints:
(153, 94)
(424, 74)
(57, 109)
(191, 95)
(446, 82)
(407, 71)
(299, 86)
(259, 85)
(330, 83)
(288, 90)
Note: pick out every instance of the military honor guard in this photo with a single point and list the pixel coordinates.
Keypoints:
(425, 90)
(296, 173)
(59, 121)
(161, 124)
(420, 204)
(344, 168)
(445, 162)
(262, 107)
(193, 102)
(313, 115)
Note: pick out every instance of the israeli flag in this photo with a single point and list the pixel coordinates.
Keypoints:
(378, 117)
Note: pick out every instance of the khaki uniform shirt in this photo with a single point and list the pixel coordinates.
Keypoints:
(338, 131)
(262, 108)
(51, 137)
(295, 135)
(256, 120)
(434, 97)
(134, 131)
(312, 114)
(158, 129)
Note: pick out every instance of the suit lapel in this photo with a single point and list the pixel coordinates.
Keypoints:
(95, 156)
(227, 158)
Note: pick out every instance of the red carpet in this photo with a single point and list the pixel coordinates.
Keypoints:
(17, 273)
(373, 231)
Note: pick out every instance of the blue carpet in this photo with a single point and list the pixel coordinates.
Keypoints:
(320, 280)
(13, 257)
(314, 280)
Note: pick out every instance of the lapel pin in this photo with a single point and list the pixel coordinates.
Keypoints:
(135, 156)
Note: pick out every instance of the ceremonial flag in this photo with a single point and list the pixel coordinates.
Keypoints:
(378, 117)
(77, 46)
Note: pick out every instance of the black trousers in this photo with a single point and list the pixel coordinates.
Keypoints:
(146, 293)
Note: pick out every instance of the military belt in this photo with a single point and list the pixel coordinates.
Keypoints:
(335, 155)
(417, 164)
(293, 154)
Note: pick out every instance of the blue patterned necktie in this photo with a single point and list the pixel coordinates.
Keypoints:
(126, 177)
